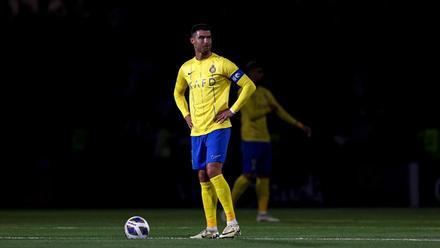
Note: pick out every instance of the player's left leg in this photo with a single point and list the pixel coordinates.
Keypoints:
(263, 191)
(240, 186)
(222, 189)
(214, 171)
(217, 146)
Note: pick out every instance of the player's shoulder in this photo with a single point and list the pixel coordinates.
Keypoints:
(221, 59)
(186, 66)
(217, 58)
(263, 89)
(188, 63)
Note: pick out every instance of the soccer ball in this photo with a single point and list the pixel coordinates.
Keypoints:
(136, 227)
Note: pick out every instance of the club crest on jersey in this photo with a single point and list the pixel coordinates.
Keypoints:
(212, 69)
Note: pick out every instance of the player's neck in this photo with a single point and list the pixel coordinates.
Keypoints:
(202, 56)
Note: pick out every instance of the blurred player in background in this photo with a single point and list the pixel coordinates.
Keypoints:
(256, 144)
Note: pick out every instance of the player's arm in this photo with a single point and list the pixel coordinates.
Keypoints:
(285, 116)
(237, 76)
(247, 89)
(179, 97)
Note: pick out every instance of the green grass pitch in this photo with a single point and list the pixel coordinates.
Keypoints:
(171, 228)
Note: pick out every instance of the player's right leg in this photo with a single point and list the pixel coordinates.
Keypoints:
(240, 186)
(249, 157)
(262, 185)
(209, 196)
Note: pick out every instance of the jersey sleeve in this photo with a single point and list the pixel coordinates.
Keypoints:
(279, 110)
(179, 93)
(237, 76)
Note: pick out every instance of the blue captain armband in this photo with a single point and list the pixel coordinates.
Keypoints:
(235, 77)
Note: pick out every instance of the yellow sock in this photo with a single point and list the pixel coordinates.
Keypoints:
(209, 199)
(240, 186)
(262, 188)
(224, 195)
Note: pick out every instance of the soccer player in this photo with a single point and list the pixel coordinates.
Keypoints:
(209, 77)
(256, 146)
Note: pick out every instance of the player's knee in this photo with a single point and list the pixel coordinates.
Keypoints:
(213, 169)
(203, 176)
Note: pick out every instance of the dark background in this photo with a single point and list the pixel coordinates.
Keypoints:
(89, 118)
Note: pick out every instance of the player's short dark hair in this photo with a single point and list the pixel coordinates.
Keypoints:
(200, 26)
(252, 65)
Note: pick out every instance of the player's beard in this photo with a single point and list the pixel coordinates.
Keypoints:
(206, 49)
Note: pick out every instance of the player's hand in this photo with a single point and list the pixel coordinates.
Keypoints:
(223, 115)
(189, 121)
(308, 131)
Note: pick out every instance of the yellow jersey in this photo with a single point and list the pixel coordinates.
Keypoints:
(253, 115)
(209, 81)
